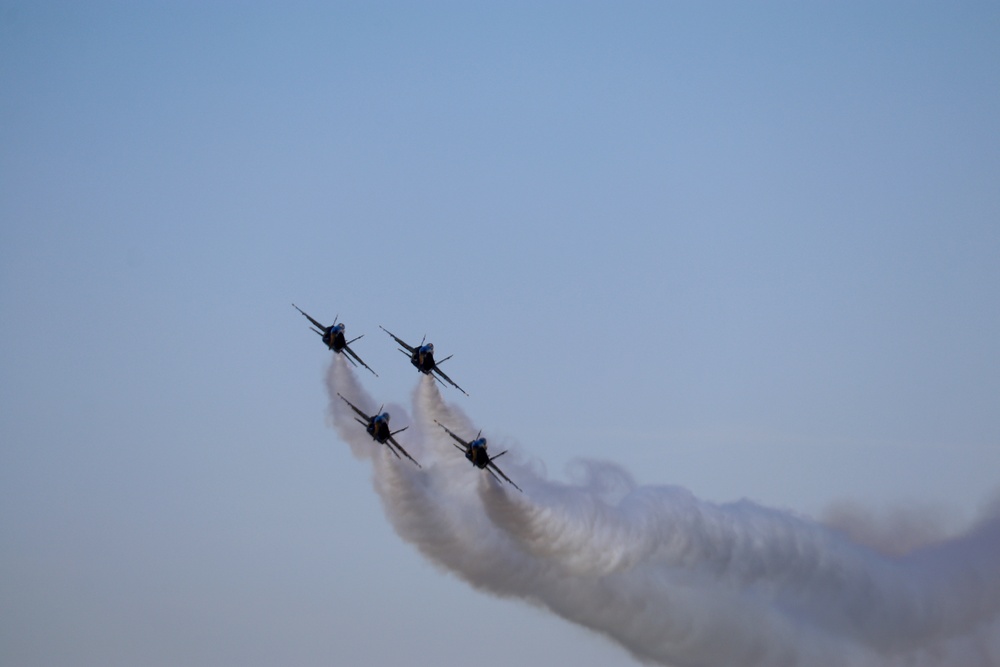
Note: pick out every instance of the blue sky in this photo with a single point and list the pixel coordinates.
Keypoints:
(747, 251)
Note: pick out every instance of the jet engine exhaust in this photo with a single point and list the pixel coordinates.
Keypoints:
(673, 579)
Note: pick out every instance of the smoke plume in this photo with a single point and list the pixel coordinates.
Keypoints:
(673, 579)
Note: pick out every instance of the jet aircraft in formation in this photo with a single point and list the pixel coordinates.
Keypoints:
(377, 426)
(475, 451)
(333, 337)
(422, 356)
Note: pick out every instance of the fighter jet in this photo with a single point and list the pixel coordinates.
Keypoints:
(378, 428)
(422, 357)
(333, 337)
(475, 451)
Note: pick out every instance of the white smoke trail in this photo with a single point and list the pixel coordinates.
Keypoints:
(675, 580)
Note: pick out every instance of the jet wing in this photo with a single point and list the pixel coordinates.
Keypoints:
(355, 408)
(448, 379)
(309, 318)
(397, 339)
(465, 446)
(353, 354)
(493, 466)
(400, 448)
(494, 475)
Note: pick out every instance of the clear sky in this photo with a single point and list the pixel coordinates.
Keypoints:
(750, 252)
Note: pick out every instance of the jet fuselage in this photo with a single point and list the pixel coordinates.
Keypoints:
(378, 427)
(477, 453)
(334, 338)
(423, 358)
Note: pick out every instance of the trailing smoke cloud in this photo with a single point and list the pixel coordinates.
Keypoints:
(674, 580)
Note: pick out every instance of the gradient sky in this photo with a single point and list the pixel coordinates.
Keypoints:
(752, 252)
